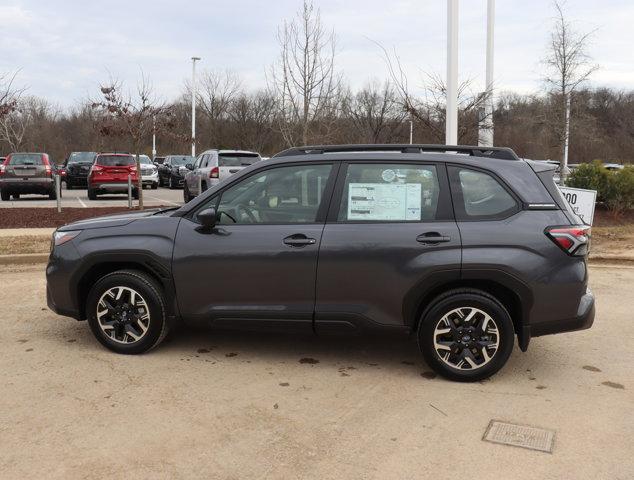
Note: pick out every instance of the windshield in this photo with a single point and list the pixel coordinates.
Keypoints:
(115, 160)
(145, 160)
(84, 157)
(237, 159)
(26, 159)
(181, 160)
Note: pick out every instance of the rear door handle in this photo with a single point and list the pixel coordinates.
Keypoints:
(432, 238)
(299, 240)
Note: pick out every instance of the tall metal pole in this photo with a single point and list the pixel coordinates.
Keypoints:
(451, 116)
(153, 139)
(563, 170)
(485, 137)
(194, 59)
(411, 131)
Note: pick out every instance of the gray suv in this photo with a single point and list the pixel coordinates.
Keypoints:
(464, 248)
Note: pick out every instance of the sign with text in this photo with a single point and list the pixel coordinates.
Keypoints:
(582, 202)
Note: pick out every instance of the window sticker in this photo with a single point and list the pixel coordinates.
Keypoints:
(380, 201)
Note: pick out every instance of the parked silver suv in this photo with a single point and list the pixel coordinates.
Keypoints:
(213, 166)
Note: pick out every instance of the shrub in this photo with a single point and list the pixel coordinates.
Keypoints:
(591, 176)
(614, 189)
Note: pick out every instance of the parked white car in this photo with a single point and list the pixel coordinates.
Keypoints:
(149, 172)
(214, 166)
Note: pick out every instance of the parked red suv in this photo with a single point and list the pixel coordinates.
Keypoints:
(109, 174)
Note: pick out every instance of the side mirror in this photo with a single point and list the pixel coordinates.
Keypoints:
(208, 218)
(189, 166)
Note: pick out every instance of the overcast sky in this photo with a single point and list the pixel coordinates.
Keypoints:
(65, 48)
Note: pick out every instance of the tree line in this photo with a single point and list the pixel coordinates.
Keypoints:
(307, 101)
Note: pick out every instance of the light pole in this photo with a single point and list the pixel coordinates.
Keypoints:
(451, 115)
(411, 130)
(153, 138)
(485, 134)
(194, 59)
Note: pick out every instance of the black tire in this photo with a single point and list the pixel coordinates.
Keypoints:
(135, 193)
(69, 186)
(466, 298)
(150, 292)
(154, 186)
(52, 195)
(92, 194)
(16, 196)
(6, 196)
(172, 185)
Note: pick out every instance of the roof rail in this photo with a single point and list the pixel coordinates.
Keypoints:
(503, 153)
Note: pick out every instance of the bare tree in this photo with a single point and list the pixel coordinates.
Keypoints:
(429, 107)
(216, 91)
(569, 65)
(122, 114)
(376, 112)
(13, 120)
(304, 80)
(253, 115)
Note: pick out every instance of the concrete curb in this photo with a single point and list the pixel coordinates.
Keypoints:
(23, 258)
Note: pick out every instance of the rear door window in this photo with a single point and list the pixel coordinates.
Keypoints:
(115, 160)
(389, 193)
(26, 159)
(480, 196)
(237, 159)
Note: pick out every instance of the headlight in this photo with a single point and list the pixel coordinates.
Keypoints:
(60, 238)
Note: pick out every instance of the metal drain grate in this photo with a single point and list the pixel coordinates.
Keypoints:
(523, 436)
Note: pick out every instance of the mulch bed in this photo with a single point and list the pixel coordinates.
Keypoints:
(48, 217)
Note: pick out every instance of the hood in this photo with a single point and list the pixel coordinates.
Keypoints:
(117, 220)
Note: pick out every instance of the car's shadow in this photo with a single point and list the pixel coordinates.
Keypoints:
(358, 351)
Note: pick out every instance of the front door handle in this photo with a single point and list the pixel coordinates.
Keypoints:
(432, 238)
(299, 240)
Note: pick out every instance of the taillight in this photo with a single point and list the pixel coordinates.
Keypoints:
(214, 172)
(3, 167)
(94, 169)
(48, 170)
(574, 240)
(132, 168)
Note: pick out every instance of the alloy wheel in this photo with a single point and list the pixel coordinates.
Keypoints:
(466, 338)
(123, 315)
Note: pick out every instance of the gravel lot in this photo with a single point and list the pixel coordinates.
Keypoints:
(240, 406)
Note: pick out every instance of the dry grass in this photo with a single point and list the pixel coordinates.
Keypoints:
(25, 244)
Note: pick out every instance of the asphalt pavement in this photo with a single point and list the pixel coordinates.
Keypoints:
(78, 198)
(253, 406)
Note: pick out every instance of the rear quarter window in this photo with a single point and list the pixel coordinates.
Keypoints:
(237, 159)
(480, 196)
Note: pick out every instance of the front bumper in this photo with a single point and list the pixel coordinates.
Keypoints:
(150, 179)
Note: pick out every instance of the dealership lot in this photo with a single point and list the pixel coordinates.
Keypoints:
(237, 405)
(79, 198)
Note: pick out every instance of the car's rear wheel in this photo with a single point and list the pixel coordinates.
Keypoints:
(135, 193)
(5, 195)
(126, 312)
(52, 194)
(16, 196)
(466, 335)
(69, 186)
(92, 194)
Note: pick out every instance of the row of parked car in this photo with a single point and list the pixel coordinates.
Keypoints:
(106, 173)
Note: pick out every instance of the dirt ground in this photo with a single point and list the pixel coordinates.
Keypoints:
(242, 406)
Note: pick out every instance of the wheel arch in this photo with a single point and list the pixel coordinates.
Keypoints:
(511, 292)
(104, 264)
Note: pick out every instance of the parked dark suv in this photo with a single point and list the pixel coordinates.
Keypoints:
(465, 248)
(77, 166)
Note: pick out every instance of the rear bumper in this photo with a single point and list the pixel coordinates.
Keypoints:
(583, 320)
(29, 185)
(76, 179)
(113, 187)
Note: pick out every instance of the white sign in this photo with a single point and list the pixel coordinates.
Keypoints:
(582, 202)
(384, 201)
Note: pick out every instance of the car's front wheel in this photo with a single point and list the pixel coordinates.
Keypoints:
(126, 312)
(466, 335)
